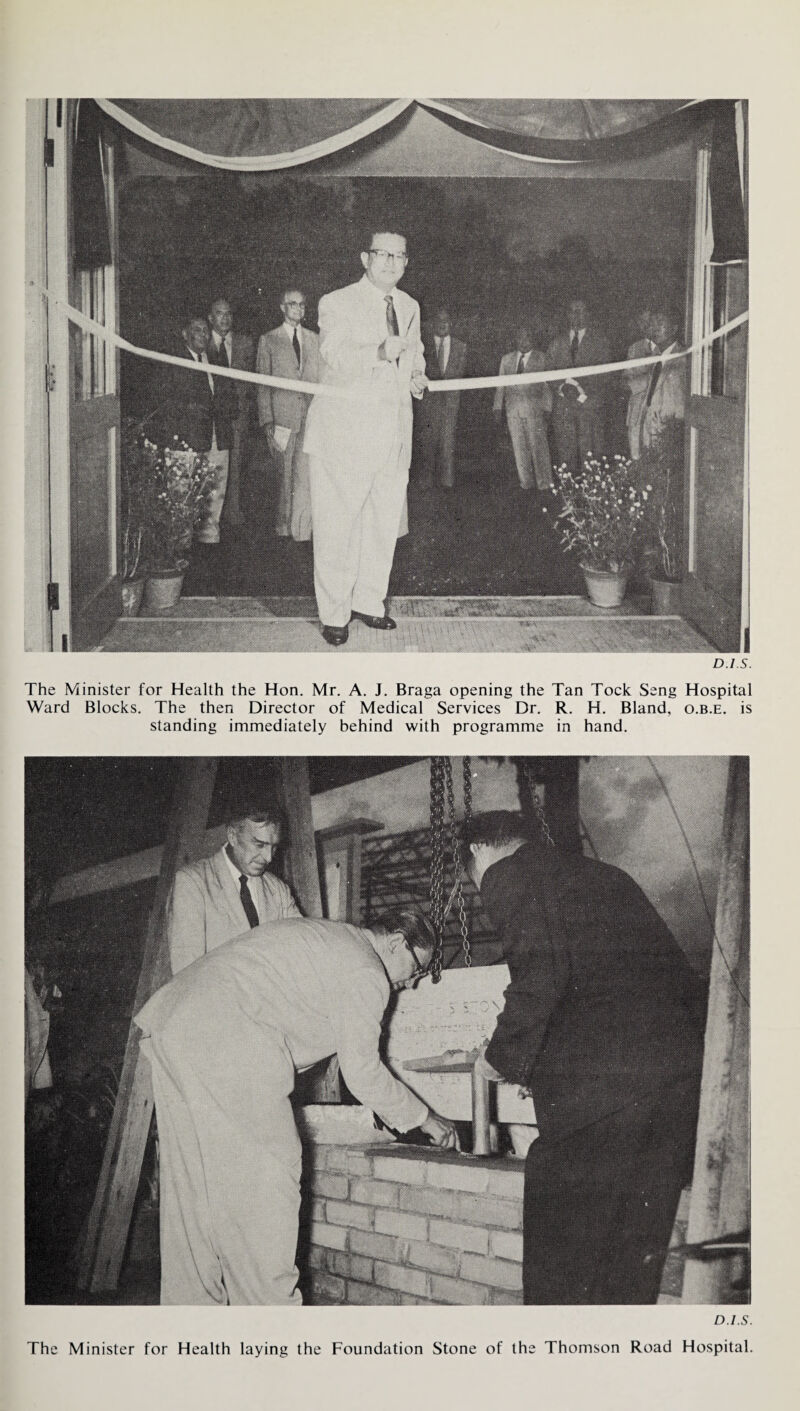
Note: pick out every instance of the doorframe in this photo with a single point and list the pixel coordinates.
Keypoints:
(37, 617)
(60, 113)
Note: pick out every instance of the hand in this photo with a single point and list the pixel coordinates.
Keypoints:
(392, 347)
(418, 383)
(484, 1069)
(270, 437)
(441, 1131)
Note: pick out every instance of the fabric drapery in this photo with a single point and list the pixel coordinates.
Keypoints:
(267, 134)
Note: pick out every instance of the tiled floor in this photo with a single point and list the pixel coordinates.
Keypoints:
(546, 624)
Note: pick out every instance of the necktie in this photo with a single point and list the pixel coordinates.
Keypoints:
(442, 358)
(247, 901)
(655, 373)
(296, 346)
(521, 364)
(222, 354)
(574, 346)
(391, 317)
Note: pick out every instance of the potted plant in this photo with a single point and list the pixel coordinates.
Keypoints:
(661, 466)
(174, 483)
(602, 508)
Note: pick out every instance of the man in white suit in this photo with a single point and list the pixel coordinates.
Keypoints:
(359, 443)
(527, 410)
(667, 390)
(638, 380)
(221, 896)
(225, 1039)
(289, 351)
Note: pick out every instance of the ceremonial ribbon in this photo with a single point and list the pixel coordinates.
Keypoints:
(455, 384)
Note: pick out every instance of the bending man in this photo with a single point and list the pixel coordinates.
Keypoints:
(225, 1039)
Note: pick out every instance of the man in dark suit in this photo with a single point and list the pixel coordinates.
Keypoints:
(445, 357)
(603, 1021)
(200, 413)
(227, 348)
(578, 406)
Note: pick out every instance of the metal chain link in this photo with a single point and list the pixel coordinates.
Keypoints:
(536, 804)
(437, 864)
(455, 852)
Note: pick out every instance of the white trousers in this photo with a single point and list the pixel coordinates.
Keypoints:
(531, 450)
(230, 1163)
(208, 533)
(293, 519)
(356, 523)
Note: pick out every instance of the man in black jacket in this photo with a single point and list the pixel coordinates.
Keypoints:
(200, 410)
(603, 1021)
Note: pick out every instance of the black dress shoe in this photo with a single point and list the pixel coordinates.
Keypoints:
(382, 624)
(335, 636)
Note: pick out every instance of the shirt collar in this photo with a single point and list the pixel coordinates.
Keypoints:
(291, 328)
(234, 870)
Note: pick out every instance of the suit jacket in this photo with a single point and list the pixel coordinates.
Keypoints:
(593, 349)
(525, 402)
(456, 360)
(205, 909)
(668, 402)
(193, 412)
(243, 354)
(360, 431)
(603, 1006)
(276, 358)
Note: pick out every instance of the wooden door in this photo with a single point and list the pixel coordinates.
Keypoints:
(84, 408)
(716, 587)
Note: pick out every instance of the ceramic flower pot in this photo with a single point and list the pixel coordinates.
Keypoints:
(132, 592)
(163, 588)
(665, 597)
(605, 588)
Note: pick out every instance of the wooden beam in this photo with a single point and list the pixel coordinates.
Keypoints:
(720, 1203)
(110, 1217)
(301, 858)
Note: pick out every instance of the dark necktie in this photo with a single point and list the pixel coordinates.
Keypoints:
(391, 317)
(574, 347)
(442, 359)
(521, 364)
(247, 901)
(222, 355)
(296, 346)
(655, 373)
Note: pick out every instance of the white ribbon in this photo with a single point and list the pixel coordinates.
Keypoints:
(455, 384)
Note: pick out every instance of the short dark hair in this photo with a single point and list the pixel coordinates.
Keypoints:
(415, 926)
(256, 811)
(496, 828)
(382, 228)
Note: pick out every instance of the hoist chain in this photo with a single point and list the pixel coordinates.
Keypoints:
(455, 852)
(536, 804)
(437, 863)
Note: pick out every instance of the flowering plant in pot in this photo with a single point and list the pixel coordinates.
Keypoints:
(603, 505)
(133, 517)
(661, 466)
(173, 484)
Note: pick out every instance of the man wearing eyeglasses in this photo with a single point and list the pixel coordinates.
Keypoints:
(225, 1039)
(359, 441)
(290, 351)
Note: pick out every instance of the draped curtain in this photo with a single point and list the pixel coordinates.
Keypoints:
(269, 134)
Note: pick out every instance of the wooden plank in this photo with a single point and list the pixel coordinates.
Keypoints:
(720, 1186)
(302, 863)
(110, 1217)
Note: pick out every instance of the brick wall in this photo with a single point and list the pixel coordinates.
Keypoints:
(408, 1225)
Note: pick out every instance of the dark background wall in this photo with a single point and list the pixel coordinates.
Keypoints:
(495, 250)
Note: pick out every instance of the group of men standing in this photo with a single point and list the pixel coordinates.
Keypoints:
(344, 453)
(602, 1022)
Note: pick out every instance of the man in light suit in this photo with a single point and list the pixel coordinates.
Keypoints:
(289, 351)
(665, 399)
(221, 896)
(360, 442)
(445, 357)
(578, 407)
(229, 349)
(638, 380)
(527, 410)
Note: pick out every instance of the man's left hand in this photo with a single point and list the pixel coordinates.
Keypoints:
(418, 383)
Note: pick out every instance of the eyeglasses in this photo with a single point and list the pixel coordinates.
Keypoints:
(391, 255)
(422, 968)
